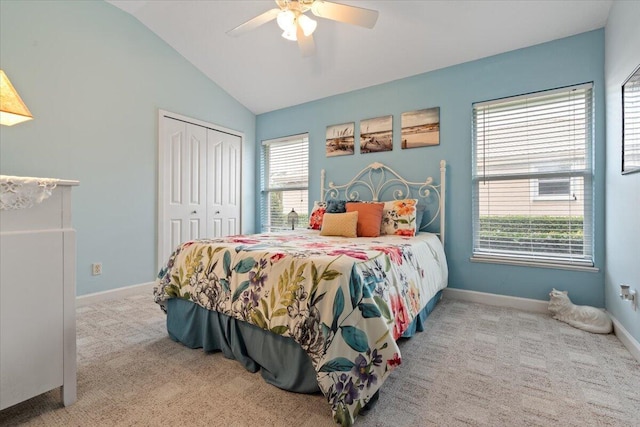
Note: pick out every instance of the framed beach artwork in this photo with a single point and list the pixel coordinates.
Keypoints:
(376, 134)
(421, 128)
(340, 139)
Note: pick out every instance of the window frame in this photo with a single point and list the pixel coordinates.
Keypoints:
(631, 123)
(481, 252)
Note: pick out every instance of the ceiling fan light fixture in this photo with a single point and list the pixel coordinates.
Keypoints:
(307, 24)
(287, 21)
(296, 26)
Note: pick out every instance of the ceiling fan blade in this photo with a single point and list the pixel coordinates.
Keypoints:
(254, 23)
(305, 43)
(341, 12)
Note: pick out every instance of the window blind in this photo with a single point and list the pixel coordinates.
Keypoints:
(285, 172)
(532, 177)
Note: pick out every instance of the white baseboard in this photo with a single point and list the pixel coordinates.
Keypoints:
(526, 304)
(625, 337)
(537, 306)
(112, 294)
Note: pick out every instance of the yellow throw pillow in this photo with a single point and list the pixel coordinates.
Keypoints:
(340, 224)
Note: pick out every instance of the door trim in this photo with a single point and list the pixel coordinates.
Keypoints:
(162, 214)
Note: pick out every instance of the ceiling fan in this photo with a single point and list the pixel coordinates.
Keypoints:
(296, 26)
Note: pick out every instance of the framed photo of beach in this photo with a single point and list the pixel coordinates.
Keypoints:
(420, 128)
(376, 134)
(340, 139)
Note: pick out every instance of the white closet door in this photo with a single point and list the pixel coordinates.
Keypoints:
(223, 191)
(185, 184)
(199, 182)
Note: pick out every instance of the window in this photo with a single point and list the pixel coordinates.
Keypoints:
(285, 178)
(532, 179)
(550, 188)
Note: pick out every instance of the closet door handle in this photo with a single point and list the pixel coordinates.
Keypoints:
(194, 212)
(217, 212)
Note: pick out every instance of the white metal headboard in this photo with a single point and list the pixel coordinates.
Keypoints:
(378, 178)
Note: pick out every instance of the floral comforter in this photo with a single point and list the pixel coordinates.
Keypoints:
(345, 301)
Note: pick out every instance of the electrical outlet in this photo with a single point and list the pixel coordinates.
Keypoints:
(628, 294)
(96, 268)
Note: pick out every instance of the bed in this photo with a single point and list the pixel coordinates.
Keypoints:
(315, 310)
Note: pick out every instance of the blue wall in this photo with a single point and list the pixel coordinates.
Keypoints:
(623, 191)
(559, 63)
(94, 79)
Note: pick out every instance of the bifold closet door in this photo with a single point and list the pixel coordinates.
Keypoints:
(224, 183)
(200, 183)
(184, 183)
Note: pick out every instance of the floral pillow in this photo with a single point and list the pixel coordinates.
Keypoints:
(399, 217)
(317, 215)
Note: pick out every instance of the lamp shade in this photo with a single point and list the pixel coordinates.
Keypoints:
(287, 20)
(308, 25)
(290, 35)
(12, 109)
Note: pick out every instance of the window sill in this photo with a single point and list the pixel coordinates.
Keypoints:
(527, 263)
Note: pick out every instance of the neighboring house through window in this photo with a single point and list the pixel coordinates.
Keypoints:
(532, 179)
(555, 188)
(285, 182)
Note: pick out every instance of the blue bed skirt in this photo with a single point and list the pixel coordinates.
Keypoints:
(275, 356)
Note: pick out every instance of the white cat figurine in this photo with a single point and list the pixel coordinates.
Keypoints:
(590, 319)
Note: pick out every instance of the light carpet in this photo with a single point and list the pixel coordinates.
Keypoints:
(476, 365)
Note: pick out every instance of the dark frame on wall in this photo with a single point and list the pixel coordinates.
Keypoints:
(631, 123)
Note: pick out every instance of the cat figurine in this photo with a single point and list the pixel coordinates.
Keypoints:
(584, 317)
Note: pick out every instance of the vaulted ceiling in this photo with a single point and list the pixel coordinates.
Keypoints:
(265, 72)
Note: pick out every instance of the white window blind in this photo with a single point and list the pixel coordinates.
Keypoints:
(631, 131)
(285, 178)
(532, 178)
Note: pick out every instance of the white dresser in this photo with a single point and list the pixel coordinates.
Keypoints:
(37, 295)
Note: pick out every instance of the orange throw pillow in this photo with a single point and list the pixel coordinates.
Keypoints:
(369, 218)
